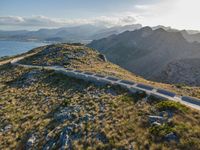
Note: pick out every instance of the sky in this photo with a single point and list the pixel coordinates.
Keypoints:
(36, 14)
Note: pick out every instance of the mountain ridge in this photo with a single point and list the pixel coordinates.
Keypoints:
(147, 52)
(81, 33)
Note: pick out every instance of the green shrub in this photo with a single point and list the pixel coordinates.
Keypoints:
(171, 105)
(66, 103)
(180, 85)
(161, 131)
(128, 98)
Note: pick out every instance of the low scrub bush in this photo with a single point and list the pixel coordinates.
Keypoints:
(159, 132)
(171, 105)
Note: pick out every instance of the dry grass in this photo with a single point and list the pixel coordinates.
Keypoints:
(92, 62)
(30, 107)
(30, 99)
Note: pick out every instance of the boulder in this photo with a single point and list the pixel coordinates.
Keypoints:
(7, 128)
(30, 142)
(158, 119)
(156, 123)
(171, 137)
(103, 57)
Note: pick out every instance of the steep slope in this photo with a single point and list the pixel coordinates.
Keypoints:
(86, 59)
(43, 109)
(182, 71)
(146, 52)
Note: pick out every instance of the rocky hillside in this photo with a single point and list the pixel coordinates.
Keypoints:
(43, 109)
(182, 71)
(80, 57)
(148, 52)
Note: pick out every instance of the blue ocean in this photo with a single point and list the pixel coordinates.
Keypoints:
(10, 48)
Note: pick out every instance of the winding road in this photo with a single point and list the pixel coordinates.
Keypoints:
(129, 85)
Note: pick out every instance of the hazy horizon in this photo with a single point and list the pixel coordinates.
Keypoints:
(34, 15)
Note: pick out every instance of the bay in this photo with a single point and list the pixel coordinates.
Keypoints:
(10, 48)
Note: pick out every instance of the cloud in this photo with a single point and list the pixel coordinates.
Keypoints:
(11, 20)
(115, 20)
(181, 14)
(142, 7)
(43, 21)
(31, 21)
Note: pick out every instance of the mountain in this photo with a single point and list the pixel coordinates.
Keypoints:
(83, 33)
(191, 37)
(170, 29)
(4, 35)
(67, 34)
(45, 109)
(182, 71)
(115, 30)
(148, 53)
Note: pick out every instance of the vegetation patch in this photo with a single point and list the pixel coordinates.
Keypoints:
(128, 98)
(153, 100)
(139, 95)
(161, 131)
(170, 105)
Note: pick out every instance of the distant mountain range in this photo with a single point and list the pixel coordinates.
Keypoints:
(85, 33)
(82, 33)
(159, 54)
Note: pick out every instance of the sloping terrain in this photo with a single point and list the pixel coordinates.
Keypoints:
(148, 52)
(46, 110)
(86, 59)
(182, 71)
(191, 37)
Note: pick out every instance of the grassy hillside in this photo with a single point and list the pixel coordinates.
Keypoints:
(40, 104)
(43, 109)
(86, 59)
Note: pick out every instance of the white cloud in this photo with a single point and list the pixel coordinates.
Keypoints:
(176, 13)
(182, 14)
(43, 21)
(11, 20)
(31, 21)
(115, 20)
(142, 7)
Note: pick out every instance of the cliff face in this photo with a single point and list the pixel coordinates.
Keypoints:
(147, 52)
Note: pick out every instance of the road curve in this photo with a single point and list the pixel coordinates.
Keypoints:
(129, 85)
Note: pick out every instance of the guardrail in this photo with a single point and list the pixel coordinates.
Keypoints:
(191, 100)
(146, 87)
(129, 85)
(167, 93)
(127, 82)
